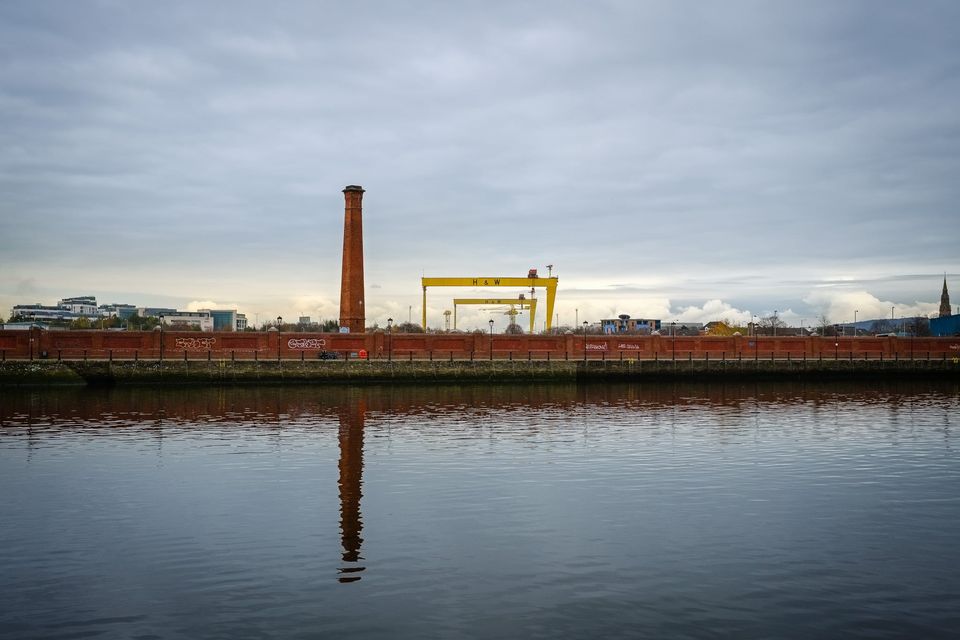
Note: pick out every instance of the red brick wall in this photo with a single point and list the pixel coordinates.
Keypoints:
(249, 345)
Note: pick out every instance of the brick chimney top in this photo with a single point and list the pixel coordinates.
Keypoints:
(353, 187)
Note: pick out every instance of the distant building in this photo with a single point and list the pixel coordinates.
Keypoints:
(188, 320)
(625, 324)
(81, 305)
(154, 312)
(70, 309)
(39, 313)
(945, 309)
(117, 310)
(945, 326)
(22, 326)
(223, 319)
(226, 319)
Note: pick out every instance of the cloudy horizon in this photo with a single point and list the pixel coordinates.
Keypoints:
(681, 161)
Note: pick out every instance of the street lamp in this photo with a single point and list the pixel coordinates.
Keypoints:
(775, 322)
(913, 334)
(855, 311)
(585, 323)
(279, 329)
(491, 337)
(161, 337)
(673, 338)
(389, 339)
(753, 324)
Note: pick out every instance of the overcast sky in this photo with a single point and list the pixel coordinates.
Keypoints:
(691, 161)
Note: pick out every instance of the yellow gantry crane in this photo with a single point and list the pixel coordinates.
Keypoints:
(523, 303)
(532, 281)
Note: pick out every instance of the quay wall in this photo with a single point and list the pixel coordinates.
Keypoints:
(273, 345)
(15, 373)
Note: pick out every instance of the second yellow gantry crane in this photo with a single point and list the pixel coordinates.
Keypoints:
(532, 281)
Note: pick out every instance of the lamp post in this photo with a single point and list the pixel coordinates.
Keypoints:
(855, 311)
(491, 338)
(585, 323)
(161, 337)
(775, 311)
(802, 320)
(389, 339)
(279, 329)
(753, 324)
(913, 334)
(673, 338)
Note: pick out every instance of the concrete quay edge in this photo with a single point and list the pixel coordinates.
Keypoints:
(17, 373)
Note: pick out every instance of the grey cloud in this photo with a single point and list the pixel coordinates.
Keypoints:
(724, 147)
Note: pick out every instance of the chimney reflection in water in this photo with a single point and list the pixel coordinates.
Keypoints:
(351, 480)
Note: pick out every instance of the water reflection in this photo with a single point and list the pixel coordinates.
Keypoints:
(258, 407)
(625, 510)
(350, 485)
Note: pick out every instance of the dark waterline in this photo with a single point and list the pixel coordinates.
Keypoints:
(710, 510)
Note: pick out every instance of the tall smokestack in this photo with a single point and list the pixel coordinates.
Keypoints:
(352, 314)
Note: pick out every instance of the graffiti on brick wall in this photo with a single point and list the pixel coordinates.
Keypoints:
(593, 346)
(630, 346)
(194, 344)
(306, 343)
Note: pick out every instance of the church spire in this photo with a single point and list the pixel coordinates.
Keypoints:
(945, 300)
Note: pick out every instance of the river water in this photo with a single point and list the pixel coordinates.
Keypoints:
(540, 511)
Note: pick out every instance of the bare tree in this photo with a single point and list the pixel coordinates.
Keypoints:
(769, 323)
(408, 327)
(823, 322)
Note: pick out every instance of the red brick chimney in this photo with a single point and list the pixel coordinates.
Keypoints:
(352, 314)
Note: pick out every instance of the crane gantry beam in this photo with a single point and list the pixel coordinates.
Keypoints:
(549, 283)
(529, 303)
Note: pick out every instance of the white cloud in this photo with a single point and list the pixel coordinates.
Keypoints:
(839, 306)
(197, 305)
(318, 307)
(714, 310)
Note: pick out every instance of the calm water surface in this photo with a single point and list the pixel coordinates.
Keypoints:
(481, 512)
